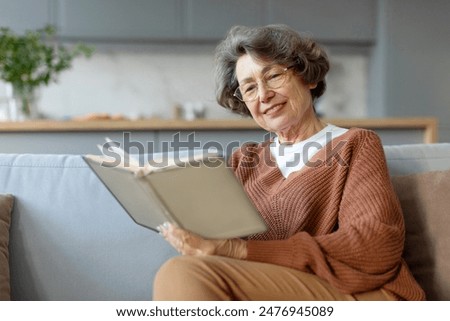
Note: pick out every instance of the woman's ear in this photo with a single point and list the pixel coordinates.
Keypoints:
(312, 86)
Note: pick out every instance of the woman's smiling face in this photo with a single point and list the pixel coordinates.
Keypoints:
(280, 110)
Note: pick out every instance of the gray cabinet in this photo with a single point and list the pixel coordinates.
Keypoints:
(224, 142)
(134, 142)
(142, 142)
(21, 15)
(191, 20)
(120, 19)
(211, 19)
(65, 142)
(327, 20)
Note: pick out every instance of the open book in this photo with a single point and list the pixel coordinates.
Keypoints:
(197, 192)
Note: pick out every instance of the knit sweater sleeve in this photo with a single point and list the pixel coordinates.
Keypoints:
(364, 252)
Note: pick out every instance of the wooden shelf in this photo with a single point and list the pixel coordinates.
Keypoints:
(429, 125)
(132, 125)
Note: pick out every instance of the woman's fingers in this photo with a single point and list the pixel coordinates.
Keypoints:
(185, 242)
(188, 243)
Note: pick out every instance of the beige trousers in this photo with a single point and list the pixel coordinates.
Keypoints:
(216, 278)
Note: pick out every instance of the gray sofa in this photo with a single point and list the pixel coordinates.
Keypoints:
(70, 240)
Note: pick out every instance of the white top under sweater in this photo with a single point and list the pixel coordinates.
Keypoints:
(292, 157)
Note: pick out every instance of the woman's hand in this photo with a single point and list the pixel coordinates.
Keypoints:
(188, 243)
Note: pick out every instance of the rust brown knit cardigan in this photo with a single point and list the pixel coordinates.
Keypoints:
(338, 217)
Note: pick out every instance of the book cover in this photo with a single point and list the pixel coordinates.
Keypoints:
(199, 193)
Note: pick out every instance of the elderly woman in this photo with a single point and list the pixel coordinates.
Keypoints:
(335, 227)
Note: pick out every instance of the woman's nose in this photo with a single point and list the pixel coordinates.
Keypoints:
(265, 93)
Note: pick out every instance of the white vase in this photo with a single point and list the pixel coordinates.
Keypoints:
(24, 103)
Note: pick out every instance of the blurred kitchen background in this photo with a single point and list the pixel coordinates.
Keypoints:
(389, 57)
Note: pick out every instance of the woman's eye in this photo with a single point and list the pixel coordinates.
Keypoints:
(274, 76)
(249, 88)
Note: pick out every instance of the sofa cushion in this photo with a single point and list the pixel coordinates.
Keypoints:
(425, 203)
(70, 239)
(6, 205)
(417, 158)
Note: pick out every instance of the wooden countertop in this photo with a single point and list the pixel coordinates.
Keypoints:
(429, 125)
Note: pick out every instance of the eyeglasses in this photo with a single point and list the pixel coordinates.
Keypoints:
(272, 79)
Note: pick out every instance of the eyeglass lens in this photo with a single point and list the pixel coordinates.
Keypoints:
(272, 79)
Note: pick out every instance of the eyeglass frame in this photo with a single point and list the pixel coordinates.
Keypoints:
(238, 92)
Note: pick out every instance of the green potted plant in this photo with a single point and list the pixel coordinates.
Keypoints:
(34, 59)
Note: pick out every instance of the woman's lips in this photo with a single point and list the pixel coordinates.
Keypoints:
(273, 110)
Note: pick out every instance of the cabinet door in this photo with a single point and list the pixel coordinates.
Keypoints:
(327, 20)
(21, 15)
(211, 19)
(136, 143)
(120, 19)
(220, 141)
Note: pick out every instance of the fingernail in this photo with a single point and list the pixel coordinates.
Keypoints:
(166, 225)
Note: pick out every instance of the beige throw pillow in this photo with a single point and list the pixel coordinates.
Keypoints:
(425, 200)
(6, 206)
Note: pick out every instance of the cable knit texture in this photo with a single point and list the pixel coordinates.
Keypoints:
(338, 217)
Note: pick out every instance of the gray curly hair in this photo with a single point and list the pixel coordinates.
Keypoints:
(276, 43)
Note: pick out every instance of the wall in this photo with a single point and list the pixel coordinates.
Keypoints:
(406, 73)
(411, 66)
(148, 80)
(134, 79)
